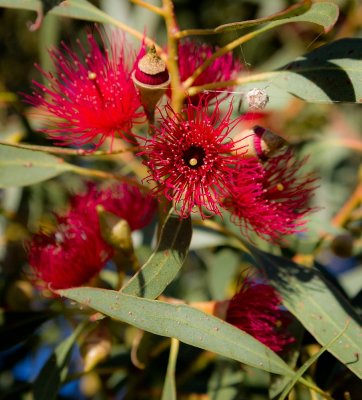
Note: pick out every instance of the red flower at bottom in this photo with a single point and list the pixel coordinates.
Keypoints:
(76, 251)
(70, 256)
(256, 310)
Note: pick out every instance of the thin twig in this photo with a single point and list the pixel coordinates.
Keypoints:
(195, 32)
(178, 94)
(344, 213)
(107, 175)
(68, 151)
(220, 52)
(239, 80)
(148, 6)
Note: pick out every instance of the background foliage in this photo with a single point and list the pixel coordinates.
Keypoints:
(40, 347)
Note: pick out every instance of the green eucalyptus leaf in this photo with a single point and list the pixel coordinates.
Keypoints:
(17, 326)
(181, 322)
(222, 266)
(169, 391)
(21, 167)
(322, 310)
(226, 381)
(301, 371)
(79, 9)
(163, 265)
(330, 73)
(324, 14)
(292, 11)
(55, 369)
(33, 5)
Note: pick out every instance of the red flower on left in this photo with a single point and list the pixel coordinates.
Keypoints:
(76, 251)
(92, 96)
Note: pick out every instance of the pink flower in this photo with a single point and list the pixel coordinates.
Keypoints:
(92, 97)
(192, 55)
(272, 198)
(189, 157)
(256, 309)
(70, 256)
(76, 251)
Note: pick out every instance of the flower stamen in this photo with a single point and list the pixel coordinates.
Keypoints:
(194, 156)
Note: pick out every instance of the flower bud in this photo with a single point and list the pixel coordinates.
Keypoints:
(115, 231)
(96, 347)
(152, 79)
(260, 142)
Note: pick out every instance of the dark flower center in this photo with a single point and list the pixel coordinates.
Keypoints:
(194, 156)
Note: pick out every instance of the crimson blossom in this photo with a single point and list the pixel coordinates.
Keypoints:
(92, 97)
(76, 251)
(256, 309)
(273, 198)
(70, 256)
(195, 163)
(192, 158)
(191, 55)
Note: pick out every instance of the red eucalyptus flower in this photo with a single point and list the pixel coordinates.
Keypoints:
(92, 97)
(192, 55)
(76, 251)
(190, 159)
(272, 198)
(123, 200)
(256, 309)
(70, 256)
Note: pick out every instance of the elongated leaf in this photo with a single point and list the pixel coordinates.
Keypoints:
(163, 265)
(278, 382)
(182, 322)
(169, 391)
(324, 14)
(331, 73)
(21, 4)
(17, 326)
(79, 9)
(301, 371)
(55, 370)
(21, 167)
(293, 11)
(321, 309)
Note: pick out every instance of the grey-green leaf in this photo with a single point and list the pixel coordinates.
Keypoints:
(324, 14)
(169, 391)
(82, 9)
(79, 9)
(182, 322)
(21, 4)
(163, 265)
(331, 73)
(322, 310)
(21, 167)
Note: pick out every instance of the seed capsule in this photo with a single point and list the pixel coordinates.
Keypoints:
(260, 142)
(152, 79)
